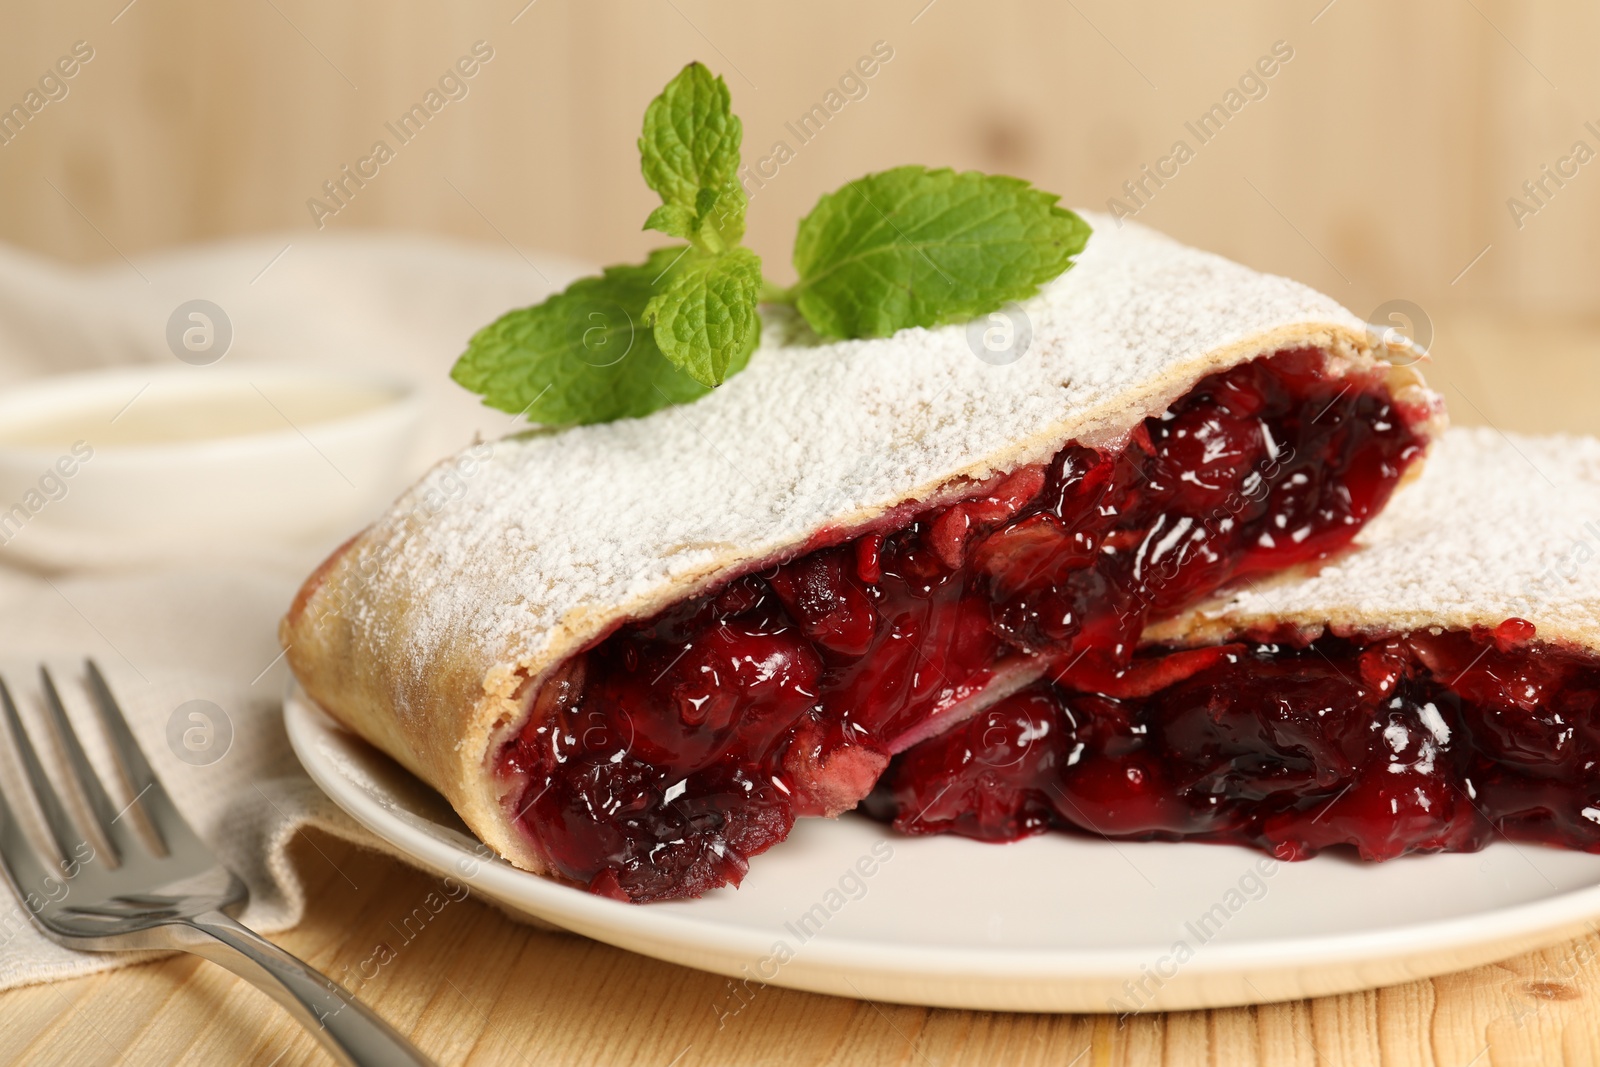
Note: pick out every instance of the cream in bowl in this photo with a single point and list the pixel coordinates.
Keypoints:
(151, 464)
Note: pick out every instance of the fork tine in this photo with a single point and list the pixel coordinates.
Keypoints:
(118, 839)
(168, 823)
(23, 866)
(62, 830)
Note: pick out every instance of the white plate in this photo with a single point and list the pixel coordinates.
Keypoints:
(1054, 923)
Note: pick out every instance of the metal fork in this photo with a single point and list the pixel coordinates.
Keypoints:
(121, 895)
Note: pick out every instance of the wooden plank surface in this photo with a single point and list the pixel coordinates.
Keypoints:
(473, 987)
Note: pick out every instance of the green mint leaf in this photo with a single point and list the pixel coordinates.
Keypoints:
(689, 152)
(673, 220)
(919, 247)
(586, 354)
(705, 318)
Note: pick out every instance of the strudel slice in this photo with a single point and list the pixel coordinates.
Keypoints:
(632, 654)
(1436, 688)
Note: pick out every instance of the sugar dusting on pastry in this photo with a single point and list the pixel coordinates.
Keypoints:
(809, 436)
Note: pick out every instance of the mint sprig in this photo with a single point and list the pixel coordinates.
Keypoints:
(689, 153)
(904, 247)
(919, 247)
(586, 354)
(641, 337)
(705, 318)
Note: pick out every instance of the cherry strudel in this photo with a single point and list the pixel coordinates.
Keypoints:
(632, 654)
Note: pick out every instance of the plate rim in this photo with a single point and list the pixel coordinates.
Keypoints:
(571, 908)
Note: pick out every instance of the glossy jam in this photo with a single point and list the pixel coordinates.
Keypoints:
(675, 749)
(1416, 743)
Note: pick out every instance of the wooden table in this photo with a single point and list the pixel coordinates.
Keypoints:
(473, 987)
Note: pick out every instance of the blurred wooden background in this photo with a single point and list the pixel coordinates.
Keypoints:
(1377, 166)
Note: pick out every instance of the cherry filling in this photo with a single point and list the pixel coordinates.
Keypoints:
(1415, 743)
(657, 762)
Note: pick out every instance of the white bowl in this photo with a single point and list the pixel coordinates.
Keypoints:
(151, 464)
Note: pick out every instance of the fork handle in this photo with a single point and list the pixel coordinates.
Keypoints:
(347, 1029)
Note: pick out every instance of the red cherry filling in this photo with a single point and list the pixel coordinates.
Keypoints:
(1418, 743)
(678, 747)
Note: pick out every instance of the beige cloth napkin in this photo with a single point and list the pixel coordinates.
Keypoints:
(205, 630)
